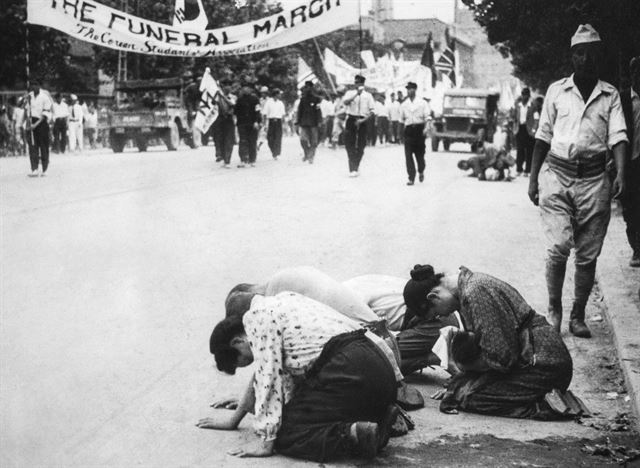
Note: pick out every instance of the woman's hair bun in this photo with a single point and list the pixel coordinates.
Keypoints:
(422, 272)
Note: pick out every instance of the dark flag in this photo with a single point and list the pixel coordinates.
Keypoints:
(446, 64)
(427, 59)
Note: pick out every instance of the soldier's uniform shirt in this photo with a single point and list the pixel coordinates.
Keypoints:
(574, 128)
(575, 211)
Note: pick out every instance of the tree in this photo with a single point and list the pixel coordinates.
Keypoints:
(536, 34)
(274, 68)
(49, 58)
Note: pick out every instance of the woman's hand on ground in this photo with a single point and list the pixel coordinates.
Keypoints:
(222, 420)
(229, 403)
(255, 448)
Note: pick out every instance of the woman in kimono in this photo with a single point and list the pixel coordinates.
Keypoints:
(509, 357)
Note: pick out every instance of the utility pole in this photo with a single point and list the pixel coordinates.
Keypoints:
(122, 56)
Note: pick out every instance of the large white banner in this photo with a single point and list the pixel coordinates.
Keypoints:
(91, 21)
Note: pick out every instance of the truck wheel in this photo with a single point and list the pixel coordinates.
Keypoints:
(172, 136)
(434, 144)
(117, 142)
(446, 144)
(142, 142)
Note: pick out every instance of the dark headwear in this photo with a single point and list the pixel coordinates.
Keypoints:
(359, 79)
(411, 85)
(423, 280)
(308, 84)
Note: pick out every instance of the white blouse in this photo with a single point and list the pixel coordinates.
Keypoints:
(287, 333)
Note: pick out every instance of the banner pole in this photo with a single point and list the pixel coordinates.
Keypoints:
(27, 70)
(333, 86)
(360, 33)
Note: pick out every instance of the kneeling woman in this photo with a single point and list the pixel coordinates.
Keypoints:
(518, 356)
(322, 388)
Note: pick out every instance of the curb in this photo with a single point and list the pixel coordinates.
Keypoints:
(619, 285)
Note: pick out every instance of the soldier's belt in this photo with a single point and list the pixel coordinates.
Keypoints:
(579, 168)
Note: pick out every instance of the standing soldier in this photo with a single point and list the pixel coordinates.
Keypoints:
(631, 201)
(248, 117)
(581, 120)
(414, 114)
(37, 115)
(360, 108)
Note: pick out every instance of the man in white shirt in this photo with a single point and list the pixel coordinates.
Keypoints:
(524, 128)
(60, 124)
(273, 113)
(76, 118)
(39, 113)
(414, 113)
(382, 120)
(360, 108)
(327, 107)
(394, 117)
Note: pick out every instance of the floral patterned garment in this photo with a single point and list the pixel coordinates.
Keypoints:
(287, 333)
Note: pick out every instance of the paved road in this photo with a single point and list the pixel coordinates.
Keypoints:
(115, 268)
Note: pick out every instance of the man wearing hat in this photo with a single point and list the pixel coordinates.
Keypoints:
(76, 117)
(360, 108)
(631, 200)
(581, 120)
(414, 114)
(308, 119)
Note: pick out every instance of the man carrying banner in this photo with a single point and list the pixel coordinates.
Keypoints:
(360, 108)
(224, 132)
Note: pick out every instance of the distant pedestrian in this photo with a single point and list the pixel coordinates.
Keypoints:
(264, 99)
(248, 118)
(328, 109)
(38, 114)
(360, 109)
(382, 120)
(308, 120)
(76, 118)
(394, 118)
(223, 129)
(400, 98)
(524, 130)
(91, 125)
(60, 124)
(631, 200)
(574, 190)
(339, 119)
(274, 113)
(414, 113)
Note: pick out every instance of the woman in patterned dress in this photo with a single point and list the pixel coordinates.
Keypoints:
(323, 387)
(519, 357)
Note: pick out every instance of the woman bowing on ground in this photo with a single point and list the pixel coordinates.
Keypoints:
(509, 356)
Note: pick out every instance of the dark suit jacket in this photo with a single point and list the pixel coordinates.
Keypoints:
(531, 122)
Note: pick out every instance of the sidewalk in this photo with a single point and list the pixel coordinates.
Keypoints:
(619, 284)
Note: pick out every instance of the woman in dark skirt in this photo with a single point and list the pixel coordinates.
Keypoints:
(509, 356)
(323, 387)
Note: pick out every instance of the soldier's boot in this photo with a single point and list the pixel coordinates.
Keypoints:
(635, 259)
(554, 275)
(584, 279)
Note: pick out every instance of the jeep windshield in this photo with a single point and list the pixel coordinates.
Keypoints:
(465, 102)
(146, 100)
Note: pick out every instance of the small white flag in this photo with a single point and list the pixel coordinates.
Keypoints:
(208, 107)
(305, 73)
